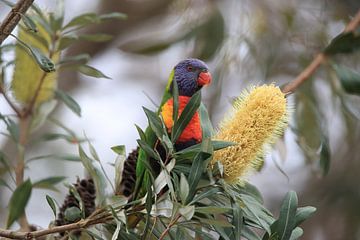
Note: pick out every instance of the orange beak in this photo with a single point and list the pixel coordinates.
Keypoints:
(204, 78)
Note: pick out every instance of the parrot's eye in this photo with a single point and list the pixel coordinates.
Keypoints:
(189, 68)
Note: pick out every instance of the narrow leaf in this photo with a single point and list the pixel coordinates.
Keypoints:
(48, 183)
(349, 79)
(18, 202)
(286, 221)
(184, 188)
(91, 71)
(303, 213)
(69, 102)
(51, 203)
(343, 43)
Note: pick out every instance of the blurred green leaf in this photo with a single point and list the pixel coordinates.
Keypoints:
(72, 214)
(350, 79)
(5, 184)
(91, 71)
(44, 62)
(12, 127)
(303, 213)
(69, 102)
(96, 174)
(186, 116)
(77, 59)
(325, 155)
(205, 194)
(99, 37)
(343, 43)
(42, 113)
(143, 145)
(214, 222)
(213, 210)
(148, 207)
(141, 133)
(82, 20)
(119, 149)
(48, 183)
(18, 202)
(29, 23)
(112, 15)
(67, 40)
(249, 234)
(51, 203)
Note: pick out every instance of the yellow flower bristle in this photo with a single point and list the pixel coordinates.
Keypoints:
(258, 118)
(27, 74)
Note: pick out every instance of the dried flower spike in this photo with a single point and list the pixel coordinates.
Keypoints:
(258, 118)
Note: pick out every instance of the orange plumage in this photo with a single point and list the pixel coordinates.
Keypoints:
(192, 131)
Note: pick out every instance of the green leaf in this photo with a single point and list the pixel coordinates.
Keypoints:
(82, 20)
(18, 202)
(155, 123)
(343, 43)
(213, 222)
(29, 23)
(58, 16)
(112, 15)
(217, 145)
(42, 114)
(72, 214)
(350, 79)
(205, 194)
(325, 155)
(91, 71)
(44, 62)
(143, 145)
(99, 37)
(119, 149)
(48, 183)
(296, 233)
(69, 102)
(303, 213)
(237, 222)
(67, 41)
(286, 222)
(51, 203)
(148, 207)
(186, 116)
(96, 174)
(81, 58)
(141, 133)
(184, 188)
(207, 128)
(5, 184)
(213, 210)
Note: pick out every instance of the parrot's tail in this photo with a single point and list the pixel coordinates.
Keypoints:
(128, 179)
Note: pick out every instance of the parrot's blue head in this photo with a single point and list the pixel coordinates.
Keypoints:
(191, 75)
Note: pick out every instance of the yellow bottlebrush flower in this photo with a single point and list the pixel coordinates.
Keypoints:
(27, 74)
(258, 118)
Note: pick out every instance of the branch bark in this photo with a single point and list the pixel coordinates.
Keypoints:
(13, 18)
(317, 61)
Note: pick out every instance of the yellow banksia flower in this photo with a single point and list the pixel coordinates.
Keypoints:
(258, 118)
(27, 73)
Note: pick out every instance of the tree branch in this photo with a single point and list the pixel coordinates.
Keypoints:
(317, 61)
(13, 18)
(172, 223)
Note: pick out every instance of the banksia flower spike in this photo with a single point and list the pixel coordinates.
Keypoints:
(258, 118)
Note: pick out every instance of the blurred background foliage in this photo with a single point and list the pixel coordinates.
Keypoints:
(247, 43)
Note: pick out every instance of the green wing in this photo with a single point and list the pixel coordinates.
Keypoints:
(142, 175)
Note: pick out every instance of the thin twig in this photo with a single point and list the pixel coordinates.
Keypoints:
(317, 61)
(13, 18)
(172, 223)
(69, 227)
(11, 104)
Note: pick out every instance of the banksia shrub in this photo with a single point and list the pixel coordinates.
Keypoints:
(258, 118)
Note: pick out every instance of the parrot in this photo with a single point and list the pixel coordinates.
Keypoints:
(190, 76)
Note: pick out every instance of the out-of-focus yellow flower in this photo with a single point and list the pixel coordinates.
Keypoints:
(258, 118)
(27, 74)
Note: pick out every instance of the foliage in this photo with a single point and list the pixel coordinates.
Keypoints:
(187, 199)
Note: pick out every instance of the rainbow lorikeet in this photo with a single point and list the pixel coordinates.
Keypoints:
(190, 75)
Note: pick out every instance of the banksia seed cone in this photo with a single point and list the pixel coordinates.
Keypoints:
(128, 179)
(86, 190)
(258, 118)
